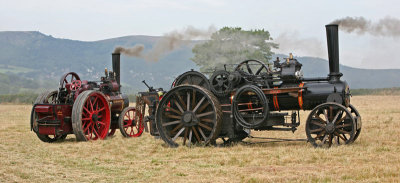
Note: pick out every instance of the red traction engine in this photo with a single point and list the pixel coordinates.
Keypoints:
(89, 109)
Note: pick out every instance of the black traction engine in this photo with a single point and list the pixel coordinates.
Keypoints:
(255, 96)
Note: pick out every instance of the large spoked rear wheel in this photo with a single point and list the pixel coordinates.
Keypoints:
(130, 123)
(330, 124)
(188, 114)
(192, 78)
(91, 116)
(47, 97)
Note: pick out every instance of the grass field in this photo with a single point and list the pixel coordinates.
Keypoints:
(374, 157)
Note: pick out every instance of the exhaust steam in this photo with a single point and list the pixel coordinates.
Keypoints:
(386, 27)
(169, 42)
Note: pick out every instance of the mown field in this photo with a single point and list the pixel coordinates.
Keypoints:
(374, 157)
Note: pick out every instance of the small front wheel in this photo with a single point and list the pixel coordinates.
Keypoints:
(330, 124)
(130, 123)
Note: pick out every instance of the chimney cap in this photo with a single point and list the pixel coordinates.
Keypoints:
(332, 24)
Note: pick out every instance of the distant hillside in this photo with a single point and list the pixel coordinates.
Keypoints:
(42, 59)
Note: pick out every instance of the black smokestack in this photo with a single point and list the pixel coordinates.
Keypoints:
(116, 66)
(332, 36)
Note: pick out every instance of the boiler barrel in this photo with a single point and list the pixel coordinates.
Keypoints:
(315, 94)
(118, 102)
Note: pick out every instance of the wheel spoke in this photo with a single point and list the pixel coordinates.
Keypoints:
(201, 83)
(188, 102)
(205, 126)
(207, 120)
(173, 116)
(176, 128)
(196, 134)
(336, 116)
(318, 124)
(177, 134)
(316, 130)
(171, 123)
(86, 110)
(341, 119)
(326, 116)
(337, 134)
(173, 110)
(91, 104)
(205, 114)
(330, 113)
(202, 133)
(101, 109)
(248, 68)
(95, 102)
(320, 134)
(198, 104)
(330, 140)
(101, 123)
(203, 107)
(179, 106)
(193, 99)
(180, 99)
(185, 136)
(342, 131)
(343, 125)
(95, 132)
(320, 119)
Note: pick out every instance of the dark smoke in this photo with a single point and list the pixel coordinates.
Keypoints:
(167, 43)
(134, 51)
(386, 27)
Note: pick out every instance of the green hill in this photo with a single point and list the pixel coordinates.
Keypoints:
(38, 61)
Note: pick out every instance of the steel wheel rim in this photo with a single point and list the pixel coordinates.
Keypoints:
(189, 113)
(329, 125)
(95, 117)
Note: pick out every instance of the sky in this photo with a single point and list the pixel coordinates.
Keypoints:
(298, 24)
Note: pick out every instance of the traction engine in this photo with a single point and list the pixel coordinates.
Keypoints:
(253, 96)
(89, 109)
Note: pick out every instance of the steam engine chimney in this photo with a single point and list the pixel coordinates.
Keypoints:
(333, 52)
(116, 66)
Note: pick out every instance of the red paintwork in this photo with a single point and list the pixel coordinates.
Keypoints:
(55, 119)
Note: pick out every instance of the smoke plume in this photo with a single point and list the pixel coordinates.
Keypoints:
(169, 42)
(134, 51)
(386, 27)
(290, 42)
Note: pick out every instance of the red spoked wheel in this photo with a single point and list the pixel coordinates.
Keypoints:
(131, 122)
(91, 116)
(68, 78)
(75, 85)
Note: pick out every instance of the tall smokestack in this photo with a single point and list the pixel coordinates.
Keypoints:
(332, 36)
(116, 66)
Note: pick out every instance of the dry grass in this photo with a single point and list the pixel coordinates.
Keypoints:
(374, 157)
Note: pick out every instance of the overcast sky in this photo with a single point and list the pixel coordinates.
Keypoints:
(300, 23)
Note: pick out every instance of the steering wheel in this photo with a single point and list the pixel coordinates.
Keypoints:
(251, 63)
(75, 85)
(68, 78)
